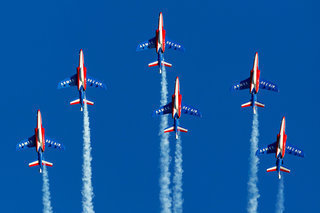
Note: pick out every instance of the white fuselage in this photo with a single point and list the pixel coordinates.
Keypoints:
(281, 142)
(255, 75)
(176, 99)
(39, 133)
(81, 70)
(160, 31)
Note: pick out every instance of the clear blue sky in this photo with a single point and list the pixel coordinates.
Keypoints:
(39, 47)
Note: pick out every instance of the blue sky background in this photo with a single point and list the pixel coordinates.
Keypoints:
(40, 41)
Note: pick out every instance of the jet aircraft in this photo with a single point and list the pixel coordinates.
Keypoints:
(279, 148)
(254, 82)
(81, 80)
(176, 107)
(160, 42)
(39, 141)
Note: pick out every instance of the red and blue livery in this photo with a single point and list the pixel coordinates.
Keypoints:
(254, 83)
(39, 141)
(160, 43)
(176, 107)
(81, 80)
(279, 148)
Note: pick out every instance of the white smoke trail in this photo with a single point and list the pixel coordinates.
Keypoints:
(87, 189)
(253, 192)
(177, 178)
(280, 197)
(164, 181)
(46, 199)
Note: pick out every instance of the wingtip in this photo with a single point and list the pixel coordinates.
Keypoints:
(257, 152)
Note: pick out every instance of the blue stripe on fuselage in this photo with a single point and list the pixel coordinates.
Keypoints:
(40, 159)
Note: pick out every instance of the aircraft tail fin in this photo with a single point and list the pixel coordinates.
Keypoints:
(167, 64)
(169, 129)
(77, 101)
(246, 104)
(272, 169)
(46, 163)
(180, 129)
(153, 64)
(85, 101)
(156, 63)
(283, 169)
(34, 163)
(259, 104)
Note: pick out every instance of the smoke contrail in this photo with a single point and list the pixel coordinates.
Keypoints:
(165, 191)
(46, 199)
(280, 197)
(177, 179)
(253, 192)
(87, 189)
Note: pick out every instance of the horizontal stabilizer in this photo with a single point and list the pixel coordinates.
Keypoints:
(153, 64)
(283, 169)
(47, 163)
(34, 163)
(87, 102)
(77, 101)
(180, 129)
(259, 104)
(169, 129)
(272, 169)
(246, 104)
(167, 64)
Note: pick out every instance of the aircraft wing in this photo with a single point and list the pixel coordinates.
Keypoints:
(267, 85)
(271, 148)
(27, 143)
(164, 110)
(190, 110)
(294, 151)
(72, 81)
(95, 83)
(53, 144)
(173, 45)
(151, 43)
(245, 84)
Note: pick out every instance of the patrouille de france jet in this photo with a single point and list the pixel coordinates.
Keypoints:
(39, 141)
(81, 80)
(160, 42)
(253, 83)
(176, 107)
(279, 148)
